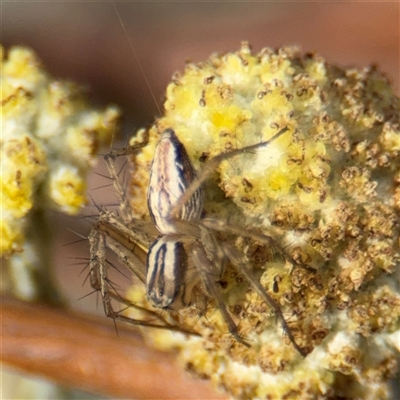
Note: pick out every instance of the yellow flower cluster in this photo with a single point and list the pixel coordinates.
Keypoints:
(328, 191)
(49, 139)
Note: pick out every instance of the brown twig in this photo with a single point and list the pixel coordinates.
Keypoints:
(83, 352)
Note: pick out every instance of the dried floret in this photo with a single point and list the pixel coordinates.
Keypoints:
(327, 191)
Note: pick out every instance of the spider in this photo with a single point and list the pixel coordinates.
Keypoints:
(185, 253)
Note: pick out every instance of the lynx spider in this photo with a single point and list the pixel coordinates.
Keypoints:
(175, 201)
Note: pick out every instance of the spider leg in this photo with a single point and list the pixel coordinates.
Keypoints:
(129, 253)
(237, 260)
(213, 250)
(99, 240)
(98, 269)
(207, 275)
(220, 226)
(124, 206)
(210, 167)
(135, 237)
(114, 175)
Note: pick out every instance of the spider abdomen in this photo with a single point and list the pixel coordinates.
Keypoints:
(167, 264)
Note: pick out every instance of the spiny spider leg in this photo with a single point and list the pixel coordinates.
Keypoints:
(241, 264)
(217, 225)
(205, 269)
(99, 241)
(109, 159)
(210, 167)
(126, 237)
(126, 249)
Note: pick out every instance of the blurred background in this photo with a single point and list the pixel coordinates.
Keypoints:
(87, 43)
